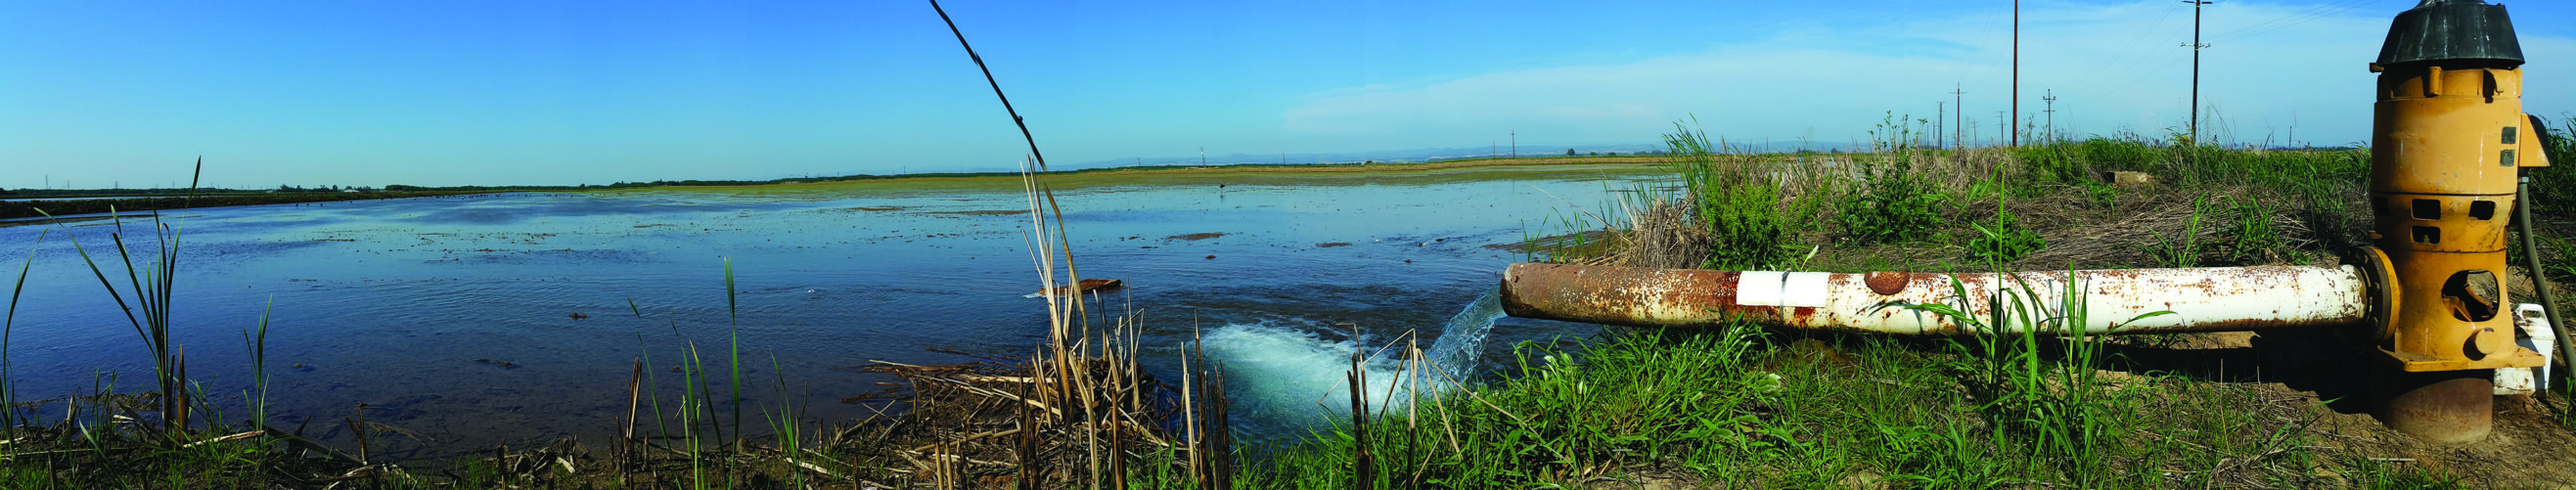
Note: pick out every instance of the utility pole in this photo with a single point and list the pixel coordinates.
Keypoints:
(1940, 117)
(2016, 73)
(1202, 156)
(2195, 66)
(2006, 120)
(2052, 114)
(1516, 143)
(1958, 135)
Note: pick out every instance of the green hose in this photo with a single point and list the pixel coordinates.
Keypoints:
(2539, 276)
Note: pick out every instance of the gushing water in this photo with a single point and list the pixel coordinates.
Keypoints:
(1282, 380)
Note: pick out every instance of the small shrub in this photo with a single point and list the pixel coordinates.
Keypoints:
(1746, 226)
(1895, 207)
(2102, 195)
(2121, 154)
(2553, 188)
(2004, 242)
(1735, 203)
(2050, 163)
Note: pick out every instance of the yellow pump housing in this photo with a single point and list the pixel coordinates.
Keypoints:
(2447, 146)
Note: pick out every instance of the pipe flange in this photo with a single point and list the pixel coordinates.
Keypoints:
(2380, 289)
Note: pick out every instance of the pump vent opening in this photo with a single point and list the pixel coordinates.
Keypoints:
(2473, 295)
(2509, 134)
(2428, 235)
(2428, 209)
(2482, 210)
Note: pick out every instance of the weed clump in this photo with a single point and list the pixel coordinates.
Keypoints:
(2004, 241)
(1891, 205)
(2553, 188)
(1737, 206)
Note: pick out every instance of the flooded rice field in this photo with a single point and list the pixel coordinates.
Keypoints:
(472, 321)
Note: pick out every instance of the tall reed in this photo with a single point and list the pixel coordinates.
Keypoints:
(152, 292)
(8, 329)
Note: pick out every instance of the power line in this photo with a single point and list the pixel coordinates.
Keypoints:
(2127, 58)
(2312, 13)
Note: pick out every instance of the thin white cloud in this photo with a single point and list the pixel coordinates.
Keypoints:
(2113, 68)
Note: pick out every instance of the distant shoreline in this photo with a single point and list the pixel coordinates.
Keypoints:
(24, 212)
(18, 211)
(1208, 174)
(1397, 167)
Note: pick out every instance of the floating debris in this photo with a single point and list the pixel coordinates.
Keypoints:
(1087, 285)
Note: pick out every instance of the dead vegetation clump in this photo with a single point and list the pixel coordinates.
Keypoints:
(1666, 236)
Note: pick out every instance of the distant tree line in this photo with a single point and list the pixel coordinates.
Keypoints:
(407, 188)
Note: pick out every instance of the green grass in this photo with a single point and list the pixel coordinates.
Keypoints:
(1890, 205)
(1741, 408)
(1733, 201)
(2003, 241)
(2010, 411)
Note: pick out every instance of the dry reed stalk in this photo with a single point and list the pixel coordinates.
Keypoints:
(634, 401)
(1189, 420)
(177, 392)
(1363, 471)
(359, 427)
(1666, 236)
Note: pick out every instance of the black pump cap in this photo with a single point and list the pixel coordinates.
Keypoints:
(2439, 30)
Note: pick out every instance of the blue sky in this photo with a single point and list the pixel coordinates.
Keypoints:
(468, 92)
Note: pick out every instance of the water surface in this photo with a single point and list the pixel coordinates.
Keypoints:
(483, 319)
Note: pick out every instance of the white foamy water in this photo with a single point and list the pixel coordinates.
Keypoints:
(1288, 378)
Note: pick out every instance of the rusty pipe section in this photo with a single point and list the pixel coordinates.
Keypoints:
(2203, 299)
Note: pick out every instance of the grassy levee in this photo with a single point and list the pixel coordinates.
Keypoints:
(1744, 407)
(69, 207)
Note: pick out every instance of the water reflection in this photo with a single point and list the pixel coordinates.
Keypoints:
(411, 306)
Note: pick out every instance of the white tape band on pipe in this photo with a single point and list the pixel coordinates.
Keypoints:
(1758, 288)
(1772, 288)
(1804, 289)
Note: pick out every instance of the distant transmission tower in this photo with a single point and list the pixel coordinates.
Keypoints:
(1959, 133)
(2007, 130)
(2052, 114)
